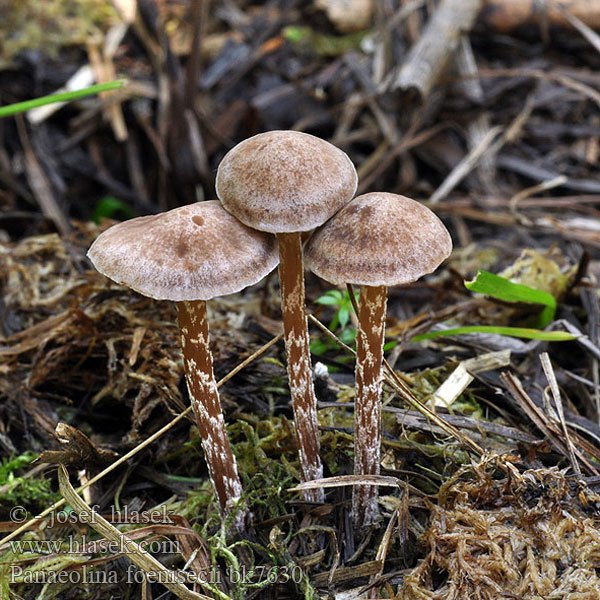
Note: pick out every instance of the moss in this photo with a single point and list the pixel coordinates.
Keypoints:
(266, 458)
(49, 26)
(33, 492)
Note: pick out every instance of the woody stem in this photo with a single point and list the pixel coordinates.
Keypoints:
(367, 406)
(202, 387)
(295, 327)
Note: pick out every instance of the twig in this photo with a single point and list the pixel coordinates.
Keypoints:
(505, 15)
(528, 406)
(556, 76)
(344, 480)
(576, 21)
(428, 57)
(39, 183)
(591, 304)
(465, 166)
(551, 377)
(479, 127)
(550, 184)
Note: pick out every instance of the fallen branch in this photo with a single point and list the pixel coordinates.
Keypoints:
(428, 57)
(505, 15)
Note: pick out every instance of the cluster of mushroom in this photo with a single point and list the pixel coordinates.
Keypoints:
(283, 183)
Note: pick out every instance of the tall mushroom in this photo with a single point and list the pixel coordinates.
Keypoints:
(190, 255)
(375, 241)
(287, 182)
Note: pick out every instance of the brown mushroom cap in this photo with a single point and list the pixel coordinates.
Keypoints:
(285, 181)
(194, 252)
(378, 239)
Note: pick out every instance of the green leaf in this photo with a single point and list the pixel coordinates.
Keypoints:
(322, 44)
(318, 347)
(331, 298)
(296, 34)
(108, 206)
(334, 323)
(12, 109)
(343, 315)
(389, 346)
(521, 332)
(498, 287)
(348, 335)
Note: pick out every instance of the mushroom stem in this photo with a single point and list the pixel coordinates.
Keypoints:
(295, 327)
(367, 407)
(204, 395)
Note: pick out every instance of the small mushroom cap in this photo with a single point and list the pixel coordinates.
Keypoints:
(285, 181)
(378, 239)
(194, 252)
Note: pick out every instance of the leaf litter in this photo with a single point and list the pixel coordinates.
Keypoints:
(487, 505)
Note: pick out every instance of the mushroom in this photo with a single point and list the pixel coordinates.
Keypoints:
(190, 255)
(375, 241)
(287, 182)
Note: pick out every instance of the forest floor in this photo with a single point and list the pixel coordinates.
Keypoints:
(491, 441)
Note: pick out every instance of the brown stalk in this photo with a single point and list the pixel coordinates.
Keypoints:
(295, 327)
(367, 407)
(204, 395)
(399, 386)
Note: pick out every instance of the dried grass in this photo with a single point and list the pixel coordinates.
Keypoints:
(80, 338)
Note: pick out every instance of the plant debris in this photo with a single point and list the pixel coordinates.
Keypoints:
(499, 531)
(495, 491)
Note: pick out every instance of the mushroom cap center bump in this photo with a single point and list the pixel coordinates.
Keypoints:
(285, 181)
(194, 252)
(378, 239)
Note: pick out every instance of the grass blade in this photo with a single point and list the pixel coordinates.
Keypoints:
(134, 552)
(12, 109)
(520, 332)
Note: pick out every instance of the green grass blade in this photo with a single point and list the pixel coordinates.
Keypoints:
(498, 287)
(520, 332)
(12, 109)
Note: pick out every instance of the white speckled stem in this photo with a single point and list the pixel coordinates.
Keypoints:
(367, 406)
(295, 326)
(202, 387)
